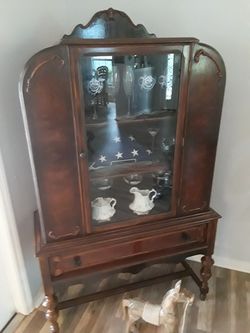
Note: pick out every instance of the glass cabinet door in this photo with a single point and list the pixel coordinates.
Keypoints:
(130, 106)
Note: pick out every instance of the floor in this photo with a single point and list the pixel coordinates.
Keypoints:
(226, 310)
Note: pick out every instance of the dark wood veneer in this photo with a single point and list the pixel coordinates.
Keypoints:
(67, 244)
(205, 98)
(48, 101)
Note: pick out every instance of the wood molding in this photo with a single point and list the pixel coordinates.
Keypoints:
(187, 209)
(39, 66)
(200, 52)
(74, 232)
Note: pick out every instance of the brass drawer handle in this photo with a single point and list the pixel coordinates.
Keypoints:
(77, 261)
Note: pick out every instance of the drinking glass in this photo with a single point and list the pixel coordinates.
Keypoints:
(153, 133)
(128, 80)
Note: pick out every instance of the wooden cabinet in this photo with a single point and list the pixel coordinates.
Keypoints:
(122, 128)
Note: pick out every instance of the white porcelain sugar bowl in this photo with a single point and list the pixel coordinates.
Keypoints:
(103, 208)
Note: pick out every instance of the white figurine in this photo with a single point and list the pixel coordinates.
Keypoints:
(163, 314)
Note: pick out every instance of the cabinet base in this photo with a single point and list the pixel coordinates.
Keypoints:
(52, 306)
(187, 271)
(173, 243)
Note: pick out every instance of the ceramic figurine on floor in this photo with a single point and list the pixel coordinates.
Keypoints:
(164, 314)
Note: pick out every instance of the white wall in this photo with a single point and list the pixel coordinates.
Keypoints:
(15, 287)
(7, 307)
(27, 26)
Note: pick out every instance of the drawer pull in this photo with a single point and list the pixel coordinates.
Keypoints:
(77, 261)
(185, 236)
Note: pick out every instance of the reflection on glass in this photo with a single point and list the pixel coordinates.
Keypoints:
(162, 81)
(131, 106)
(95, 86)
(169, 77)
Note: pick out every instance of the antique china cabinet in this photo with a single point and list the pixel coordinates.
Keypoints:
(122, 129)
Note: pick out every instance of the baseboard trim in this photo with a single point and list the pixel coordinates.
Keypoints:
(229, 263)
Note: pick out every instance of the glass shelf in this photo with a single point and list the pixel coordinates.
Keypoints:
(130, 112)
(126, 169)
(124, 198)
(155, 115)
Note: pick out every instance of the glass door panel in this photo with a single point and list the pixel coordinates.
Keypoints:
(131, 105)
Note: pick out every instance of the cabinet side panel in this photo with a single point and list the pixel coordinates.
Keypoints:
(47, 99)
(205, 98)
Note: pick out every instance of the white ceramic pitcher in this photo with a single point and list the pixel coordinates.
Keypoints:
(142, 203)
(103, 208)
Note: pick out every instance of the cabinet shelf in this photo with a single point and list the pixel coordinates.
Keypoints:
(120, 191)
(126, 169)
(154, 116)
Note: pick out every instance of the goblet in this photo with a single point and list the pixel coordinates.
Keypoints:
(102, 183)
(128, 80)
(153, 132)
(116, 79)
(116, 83)
(133, 179)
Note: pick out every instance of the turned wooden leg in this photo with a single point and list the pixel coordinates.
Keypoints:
(206, 264)
(51, 312)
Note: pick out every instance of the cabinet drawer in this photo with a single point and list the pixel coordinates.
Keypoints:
(182, 239)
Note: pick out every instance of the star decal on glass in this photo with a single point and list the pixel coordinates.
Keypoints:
(149, 151)
(134, 152)
(131, 138)
(103, 158)
(119, 155)
(117, 139)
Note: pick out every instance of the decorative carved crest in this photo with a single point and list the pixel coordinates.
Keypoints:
(109, 23)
